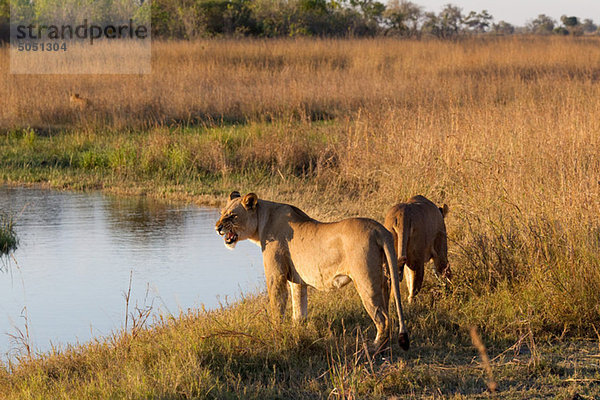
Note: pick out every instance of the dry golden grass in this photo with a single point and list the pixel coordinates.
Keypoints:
(505, 131)
(258, 80)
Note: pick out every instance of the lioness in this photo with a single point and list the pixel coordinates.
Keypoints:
(78, 102)
(302, 252)
(419, 235)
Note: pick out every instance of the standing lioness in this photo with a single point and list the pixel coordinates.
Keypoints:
(300, 251)
(419, 235)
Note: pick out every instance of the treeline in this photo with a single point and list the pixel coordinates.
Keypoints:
(187, 19)
(272, 18)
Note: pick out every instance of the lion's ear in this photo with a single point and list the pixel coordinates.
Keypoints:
(249, 201)
(444, 210)
(234, 195)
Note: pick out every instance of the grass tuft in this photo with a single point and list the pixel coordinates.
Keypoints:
(8, 237)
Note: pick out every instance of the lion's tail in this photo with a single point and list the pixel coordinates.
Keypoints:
(390, 255)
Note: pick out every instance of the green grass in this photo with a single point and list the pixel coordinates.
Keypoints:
(8, 236)
(185, 159)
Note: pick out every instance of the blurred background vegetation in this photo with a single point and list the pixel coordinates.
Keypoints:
(188, 19)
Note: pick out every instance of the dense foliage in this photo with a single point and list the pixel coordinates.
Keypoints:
(186, 19)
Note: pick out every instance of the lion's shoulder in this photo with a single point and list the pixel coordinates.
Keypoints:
(299, 213)
(284, 211)
(421, 201)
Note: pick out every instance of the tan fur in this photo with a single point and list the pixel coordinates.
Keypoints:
(299, 251)
(419, 235)
(78, 102)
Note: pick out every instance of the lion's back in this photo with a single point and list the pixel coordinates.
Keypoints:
(419, 212)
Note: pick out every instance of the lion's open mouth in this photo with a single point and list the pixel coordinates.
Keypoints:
(231, 237)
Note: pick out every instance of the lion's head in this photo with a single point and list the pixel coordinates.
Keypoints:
(238, 219)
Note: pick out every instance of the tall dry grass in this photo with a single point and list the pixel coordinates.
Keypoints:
(259, 80)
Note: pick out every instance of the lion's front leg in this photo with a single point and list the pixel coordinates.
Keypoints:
(299, 300)
(276, 277)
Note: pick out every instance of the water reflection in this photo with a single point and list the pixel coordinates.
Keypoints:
(144, 219)
(77, 251)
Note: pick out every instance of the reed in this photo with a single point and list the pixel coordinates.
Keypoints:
(8, 237)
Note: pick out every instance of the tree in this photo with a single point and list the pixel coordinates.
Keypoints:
(318, 7)
(569, 22)
(450, 20)
(403, 17)
(370, 9)
(503, 28)
(4, 11)
(561, 30)
(572, 25)
(4, 21)
(274, 16)
(543, 24)
(447, 24)
(431, 24)
(478, 22)
(588, 26)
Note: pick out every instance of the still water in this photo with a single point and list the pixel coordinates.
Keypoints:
(78, 251)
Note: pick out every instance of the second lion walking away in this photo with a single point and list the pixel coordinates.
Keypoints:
(419, 235)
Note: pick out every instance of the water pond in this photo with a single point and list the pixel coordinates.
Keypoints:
(78, 253)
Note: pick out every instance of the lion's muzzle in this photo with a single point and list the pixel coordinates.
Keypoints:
(231, 237)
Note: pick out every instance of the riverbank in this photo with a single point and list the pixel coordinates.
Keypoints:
(191, 164)
(238, 353)
(504, 132)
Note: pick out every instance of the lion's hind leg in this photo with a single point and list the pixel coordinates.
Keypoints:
(440, 256)
(414, 278)
(376, 306)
